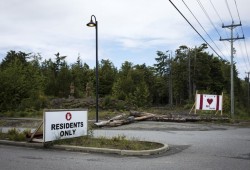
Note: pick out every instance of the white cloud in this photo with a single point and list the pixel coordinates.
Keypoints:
(125, 26)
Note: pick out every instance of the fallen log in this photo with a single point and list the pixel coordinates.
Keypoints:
(116, 121)
(141, 116)
(103, 123)
(144, 117)
(122, 116)
(38, 135)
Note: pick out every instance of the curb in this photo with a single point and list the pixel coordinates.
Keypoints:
(25, 144)
(114, 151)
(90, 149)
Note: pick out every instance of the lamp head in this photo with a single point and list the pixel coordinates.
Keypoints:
(91, 23)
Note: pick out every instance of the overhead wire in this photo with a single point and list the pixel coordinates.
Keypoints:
(216, 11)
(195, 29)
(207, 15)
(236, 30)
(243, 57)
(205, 12)
(202, 27)
(242, 33)
(236, 58)
(226, 33)
(229, 10)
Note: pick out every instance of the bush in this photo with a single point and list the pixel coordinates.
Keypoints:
(16, 135)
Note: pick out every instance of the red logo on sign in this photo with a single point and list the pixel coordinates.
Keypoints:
(210, 101)
(68, 116)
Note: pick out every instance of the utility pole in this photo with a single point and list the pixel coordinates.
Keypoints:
(248, 106)
(194, 82)
(170, 81)
(232, 39)
(189, 77)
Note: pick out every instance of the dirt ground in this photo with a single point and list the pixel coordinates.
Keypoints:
(20, 122)
(142, 125)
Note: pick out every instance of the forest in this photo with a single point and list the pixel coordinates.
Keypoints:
(29, 83)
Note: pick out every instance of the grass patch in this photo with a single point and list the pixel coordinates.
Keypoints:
(14, 135)
(118, 142)
(103, 114)
(26, 113)
(2, 123)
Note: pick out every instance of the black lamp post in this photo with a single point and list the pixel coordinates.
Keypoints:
(95, 24)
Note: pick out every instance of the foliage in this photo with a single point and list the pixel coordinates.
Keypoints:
(131, 85)
(116, 142)
(20, 80)
(28, 83)
(16, 135)
(107, 76)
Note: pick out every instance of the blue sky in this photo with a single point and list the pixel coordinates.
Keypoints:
(129, 30)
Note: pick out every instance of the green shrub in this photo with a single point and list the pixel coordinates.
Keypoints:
(15, 135)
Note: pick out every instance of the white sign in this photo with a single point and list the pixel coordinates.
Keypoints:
(62, 124)
(208, 102)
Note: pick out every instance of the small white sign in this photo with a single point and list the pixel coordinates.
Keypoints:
(208, 102)
(62, 124)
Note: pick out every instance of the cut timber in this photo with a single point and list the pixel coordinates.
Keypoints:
(122, 116)
(103, 123)
(141, 116)
(144, 117)
(116, 121)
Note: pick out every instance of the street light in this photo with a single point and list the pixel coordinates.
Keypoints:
(95, 24)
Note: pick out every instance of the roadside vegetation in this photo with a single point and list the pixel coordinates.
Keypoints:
(30, 83)
(14, 135)
(117, 142)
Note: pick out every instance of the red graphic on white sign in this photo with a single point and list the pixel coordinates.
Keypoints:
(208, 102)
(68, 116)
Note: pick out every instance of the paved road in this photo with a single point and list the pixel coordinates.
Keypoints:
(192, 146)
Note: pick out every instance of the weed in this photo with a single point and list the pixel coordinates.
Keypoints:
(16, 135)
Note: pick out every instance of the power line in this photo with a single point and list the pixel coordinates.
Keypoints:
(246, 51)
(202, 27)
(205, 12)
(216, 11)
(242, 32)
(237, 11)
(207, 15)
(242, 54)
(229, 10)
(221, 23)
(195, 29)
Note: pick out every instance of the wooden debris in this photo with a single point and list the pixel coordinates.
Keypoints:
(143, 116)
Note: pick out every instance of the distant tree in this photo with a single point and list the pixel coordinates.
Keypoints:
(57, 75)
(81, 76)
(131, 82)
(107, 76)
(21, 83)
(180, 75)
(13, 56)
(162, 66)
(162, 70)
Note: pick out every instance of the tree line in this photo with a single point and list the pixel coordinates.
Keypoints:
(27, 81)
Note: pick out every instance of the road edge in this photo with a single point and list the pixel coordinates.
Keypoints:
(90, 149)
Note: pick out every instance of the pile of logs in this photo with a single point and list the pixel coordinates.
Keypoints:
(141, 116)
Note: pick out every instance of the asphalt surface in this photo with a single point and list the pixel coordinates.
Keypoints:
(192, 146)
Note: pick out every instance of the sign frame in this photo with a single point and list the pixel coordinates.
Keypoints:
(64, 124)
